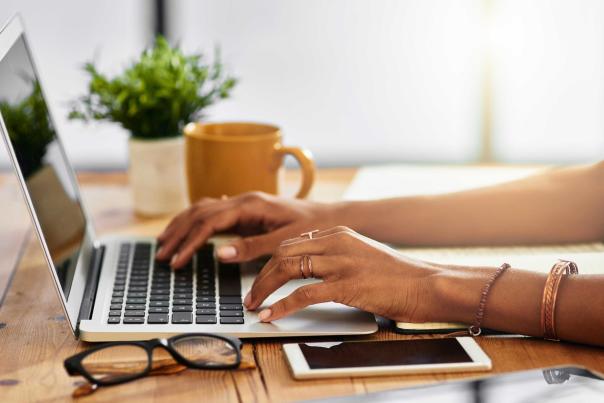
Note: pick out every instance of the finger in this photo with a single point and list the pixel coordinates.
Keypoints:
(174, 223)
(249, 248)
(175, 237)
(319, 234)
(189, 223)
(297, 300)
(328, 244)
(199, 210)
(216, 223)
(280, 271)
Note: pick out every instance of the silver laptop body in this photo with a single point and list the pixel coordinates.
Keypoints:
(88, 272)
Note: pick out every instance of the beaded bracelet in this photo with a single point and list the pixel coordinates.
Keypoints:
(475, 330)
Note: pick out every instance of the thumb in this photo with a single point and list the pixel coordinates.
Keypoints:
(252, 247)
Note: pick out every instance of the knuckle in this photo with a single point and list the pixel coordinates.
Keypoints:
(252, 196)
(203, 201)
(287, 264)
(342, 228)
(306, 293)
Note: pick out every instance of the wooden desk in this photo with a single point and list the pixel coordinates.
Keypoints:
(34, 337)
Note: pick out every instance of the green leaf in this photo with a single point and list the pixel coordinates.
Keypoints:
(157, 95)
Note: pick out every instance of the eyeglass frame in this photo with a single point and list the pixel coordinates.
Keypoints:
(73, 365)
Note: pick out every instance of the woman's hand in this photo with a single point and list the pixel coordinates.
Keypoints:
(356, 271)
(263, 220)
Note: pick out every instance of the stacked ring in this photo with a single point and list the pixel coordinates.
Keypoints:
(308, 261)
(302, 267)
(310, 272)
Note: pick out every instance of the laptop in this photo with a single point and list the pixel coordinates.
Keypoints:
(111, 288)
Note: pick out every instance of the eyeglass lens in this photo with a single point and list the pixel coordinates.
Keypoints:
(116, 363)
(203, 350)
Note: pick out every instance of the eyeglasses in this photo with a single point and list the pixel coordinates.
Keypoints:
(194, 350)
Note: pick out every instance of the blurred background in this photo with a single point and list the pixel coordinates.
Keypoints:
(356, 81)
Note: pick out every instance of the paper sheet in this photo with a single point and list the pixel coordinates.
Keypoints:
(403, 180)
(376, 182)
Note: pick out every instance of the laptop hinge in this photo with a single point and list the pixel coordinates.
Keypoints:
(94, 274)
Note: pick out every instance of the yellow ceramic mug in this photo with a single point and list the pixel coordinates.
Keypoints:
(232, 158)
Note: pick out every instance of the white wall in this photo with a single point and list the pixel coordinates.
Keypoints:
(353, 80)
(63, 35)
(356, 81)
(549, 80)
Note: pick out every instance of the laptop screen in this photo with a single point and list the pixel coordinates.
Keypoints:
(42, 162)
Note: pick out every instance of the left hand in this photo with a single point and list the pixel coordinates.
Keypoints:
(356, 271)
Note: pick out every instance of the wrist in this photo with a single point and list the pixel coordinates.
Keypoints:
(352, 214)
(457, 293)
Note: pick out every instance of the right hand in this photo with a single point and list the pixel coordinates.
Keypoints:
(261, 219)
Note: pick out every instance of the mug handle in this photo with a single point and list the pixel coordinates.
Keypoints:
(305, 159)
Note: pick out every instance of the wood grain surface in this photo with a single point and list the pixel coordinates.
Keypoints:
(35, 338)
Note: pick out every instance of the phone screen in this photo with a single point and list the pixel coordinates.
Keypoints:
(383, 353)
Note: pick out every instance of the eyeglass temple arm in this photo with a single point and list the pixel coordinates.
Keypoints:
(71, 368)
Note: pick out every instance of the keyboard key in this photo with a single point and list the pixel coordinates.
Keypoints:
(137, 289)
(113, 320)
(118, 294)
(117, 307)
(182, 317)
(230, 300)
(231, 307)
(182, 308)
(183, 290)
(206, 299)
(230, 281)
(206, 312)
(118, 288)
(136, 301)
(205, 319)
(206, 293)
(138, 283)
(209, 305)
(157, 318)
(158, 303)
(134, 313)
(135, 307)
(159, 309)
(115, 313)
(137, 295)
(231, 321)
(134, 320)
(182, 296)
(160, 297)
(160, 291)
(225, 314)
(182, 302)
(117, 300)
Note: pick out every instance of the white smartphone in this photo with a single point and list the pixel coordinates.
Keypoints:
(367, 358)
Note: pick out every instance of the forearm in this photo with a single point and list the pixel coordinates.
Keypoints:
(514, 302)
(559, 206)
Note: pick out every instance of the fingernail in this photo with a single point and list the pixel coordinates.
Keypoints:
(174, 259)
(264, 315)
(159, 251)
(247, 300)
(227, 252)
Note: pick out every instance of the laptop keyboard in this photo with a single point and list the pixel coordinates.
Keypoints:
(148, 291)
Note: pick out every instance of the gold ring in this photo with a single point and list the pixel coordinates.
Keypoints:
(309, 233)
(302, 267)
(309, 263)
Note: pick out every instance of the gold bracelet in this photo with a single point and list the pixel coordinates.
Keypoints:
(550, 293)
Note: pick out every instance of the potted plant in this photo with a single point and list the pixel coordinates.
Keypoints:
(154, 98)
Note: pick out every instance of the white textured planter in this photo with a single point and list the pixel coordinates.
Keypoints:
(157, 175)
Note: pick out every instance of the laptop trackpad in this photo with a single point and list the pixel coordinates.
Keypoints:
(325, 318)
